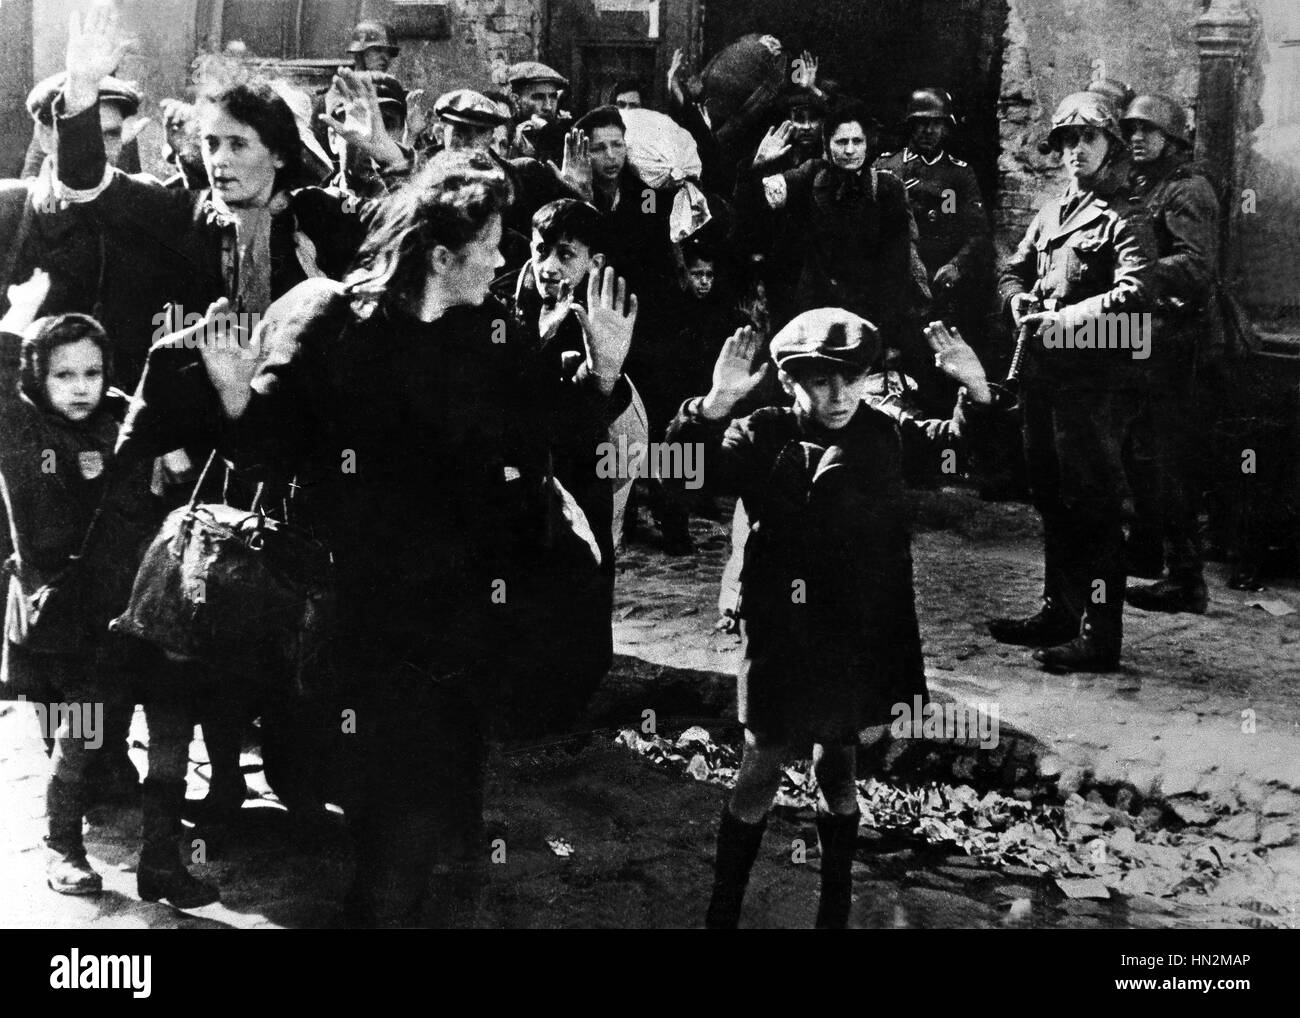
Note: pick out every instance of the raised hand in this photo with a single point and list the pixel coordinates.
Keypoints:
(607, 323)
(230, 355)
(416, 117)
(674, 73)
(95, 48)
(734, 375)
(25, 300)
(775, 144)
(576, 171)
(806, 73)
(954, 357)
(362, 124)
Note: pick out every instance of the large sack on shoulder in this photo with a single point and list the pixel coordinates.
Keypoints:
(732, 76)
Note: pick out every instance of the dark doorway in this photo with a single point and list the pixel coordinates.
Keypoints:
(879, 51)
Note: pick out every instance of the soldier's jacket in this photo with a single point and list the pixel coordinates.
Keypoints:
(1081, 257)
(949, 211)
(1175, 212)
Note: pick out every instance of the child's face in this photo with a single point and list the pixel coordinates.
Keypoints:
(828, 395)
(700, 277)
(74, 384)
(565, 261)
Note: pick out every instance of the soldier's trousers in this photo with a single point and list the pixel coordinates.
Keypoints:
(1074, 444)
(1166, 447)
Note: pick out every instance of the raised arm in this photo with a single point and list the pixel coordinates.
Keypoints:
(732, 458)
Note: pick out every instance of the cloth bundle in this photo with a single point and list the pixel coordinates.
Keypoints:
(665, 155)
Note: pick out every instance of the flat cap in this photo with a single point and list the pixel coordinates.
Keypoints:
(532, 70)
(831, 335)
(40, 100)
(465, 106)
(796, 96)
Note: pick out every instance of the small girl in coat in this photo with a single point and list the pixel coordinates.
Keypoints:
(58, 428)
(827, 608)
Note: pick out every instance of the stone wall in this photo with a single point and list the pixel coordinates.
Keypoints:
(486, 36)
(1052, 49)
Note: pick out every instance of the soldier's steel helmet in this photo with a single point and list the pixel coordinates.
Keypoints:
(372, 35)
(1162, 111)
(1084, 109)
(930, 104)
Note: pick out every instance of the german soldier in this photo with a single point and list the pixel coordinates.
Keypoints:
(954, 239)
(1176, 211)
(1083, 264)
(372, 47)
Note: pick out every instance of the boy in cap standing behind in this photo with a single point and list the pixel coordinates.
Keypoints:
(827, 607)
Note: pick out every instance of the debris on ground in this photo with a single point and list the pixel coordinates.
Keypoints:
(1085, 844)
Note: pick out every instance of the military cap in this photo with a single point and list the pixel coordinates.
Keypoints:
(1084, 109)
(40, 100)
(1166, 113)
(372, 35)
(831, 335)
(930, 104)
(532, 70)
(465, 106)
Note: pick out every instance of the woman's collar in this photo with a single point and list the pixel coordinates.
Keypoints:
(222, 214)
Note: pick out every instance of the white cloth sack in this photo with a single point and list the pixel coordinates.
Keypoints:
(665, 155)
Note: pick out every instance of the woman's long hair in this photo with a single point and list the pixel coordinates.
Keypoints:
(447, 204)
(44, 336)
(257, 104)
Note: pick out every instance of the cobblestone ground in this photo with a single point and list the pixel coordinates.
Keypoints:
(1166, 734)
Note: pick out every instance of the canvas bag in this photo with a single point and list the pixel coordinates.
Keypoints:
(236, 589)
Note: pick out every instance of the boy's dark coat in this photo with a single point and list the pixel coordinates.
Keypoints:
(832, 641)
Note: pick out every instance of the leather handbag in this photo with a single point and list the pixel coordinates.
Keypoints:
(237, 590)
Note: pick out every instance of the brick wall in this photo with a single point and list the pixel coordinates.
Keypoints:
(486, 37)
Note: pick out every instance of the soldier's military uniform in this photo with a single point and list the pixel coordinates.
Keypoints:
(951, 221)
(1081, 258)
(952, 230)
(1175, 211)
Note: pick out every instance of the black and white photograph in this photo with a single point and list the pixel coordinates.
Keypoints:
(643, 465)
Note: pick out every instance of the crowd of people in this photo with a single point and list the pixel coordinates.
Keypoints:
(415, 336)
